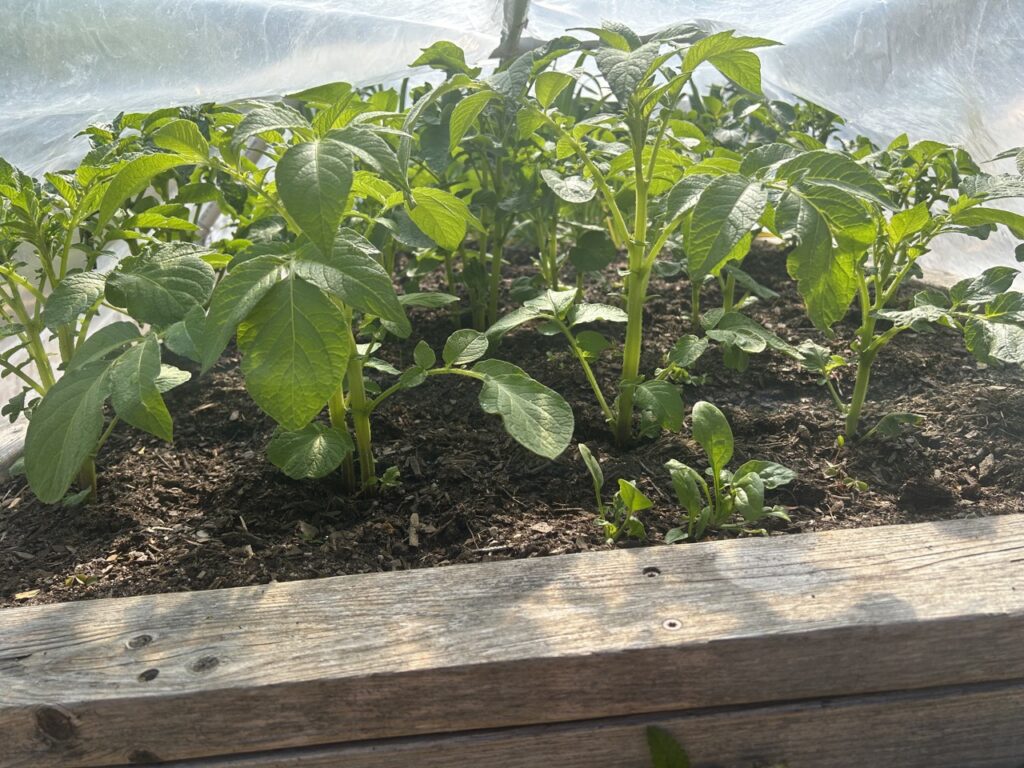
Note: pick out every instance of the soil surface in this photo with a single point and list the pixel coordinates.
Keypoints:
(210, 511)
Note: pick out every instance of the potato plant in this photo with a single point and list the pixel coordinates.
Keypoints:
(52, 235)
(300, 302)
(878, 233)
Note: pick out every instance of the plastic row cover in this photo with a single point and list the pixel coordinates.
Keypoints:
(951, 70)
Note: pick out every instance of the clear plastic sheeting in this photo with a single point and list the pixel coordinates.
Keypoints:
(66, 63)
(951, 70)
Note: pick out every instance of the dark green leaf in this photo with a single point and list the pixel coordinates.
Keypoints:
(162, 285)
(133, 390)
(463, 347)
(538, 418)
(712, 431)
(72, 297)
(313, 180)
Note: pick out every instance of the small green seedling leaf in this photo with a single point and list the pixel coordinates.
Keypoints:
(712, 431)
(423, 355)
(463, 347)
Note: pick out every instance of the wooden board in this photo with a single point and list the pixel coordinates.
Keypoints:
(556, 640)
(938, 728)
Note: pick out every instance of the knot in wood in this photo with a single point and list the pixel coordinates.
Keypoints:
(56, 724)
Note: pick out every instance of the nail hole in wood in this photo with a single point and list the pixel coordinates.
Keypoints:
(149, 674)
(672, 624)
(651, 572)
(140, 641)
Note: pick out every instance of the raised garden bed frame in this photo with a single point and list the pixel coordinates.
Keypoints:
(897, 646)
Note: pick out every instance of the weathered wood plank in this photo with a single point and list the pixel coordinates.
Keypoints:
(508, 644)
(938, 728)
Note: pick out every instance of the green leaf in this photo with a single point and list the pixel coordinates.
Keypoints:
(572, 189)
(829, 168)
(295, 346)
(593, 313)
(371, 149)
(994, 342)
(916, 316)
(592, 344)
(313, 180)
(984, 288)
(185, 336)
(891, 425)
(712, 431)
(685, 194)
(688, 350)
(234, 298)
(727, 211)
(350, 271)
(729, 54)
(765, 157)
(688, 484)
(513, 319)
(538, 418)
(593, 251)
(442, 216)
(64, 430)
(633, 499)
(594, 468)
(169, 378)
(512, 81)
(269, 117)
(312, 452)
(161, 285)
(72, 297)
(109, 338)
(424, 356)
(133, 390)
(826, 274)
(463, 347)
(447, 57)
(428, 300)
(749, 496)
(549, 85)
(465, 114)
(905, 224)
(626, 71)
(773, 475)
(662, 400)
(132, 179)
(183, 137)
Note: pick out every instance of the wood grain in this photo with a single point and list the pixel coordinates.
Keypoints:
(945, 728)
(561, 639)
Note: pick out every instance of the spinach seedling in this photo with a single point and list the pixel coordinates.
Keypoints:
(730, 493)
(620, 515)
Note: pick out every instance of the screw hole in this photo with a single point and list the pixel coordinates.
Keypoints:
(651, 572)
(672, 624)
(149, 674)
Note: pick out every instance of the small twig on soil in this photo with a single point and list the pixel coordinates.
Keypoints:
(414, 534)
(489, 550)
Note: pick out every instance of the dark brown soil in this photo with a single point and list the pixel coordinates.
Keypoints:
(209, 511)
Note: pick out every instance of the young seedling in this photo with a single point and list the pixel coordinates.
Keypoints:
(731, 494)
(51, 237)
(620, 515)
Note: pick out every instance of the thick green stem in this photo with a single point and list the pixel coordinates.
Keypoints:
(361, 408)
(860, 391)
(337, 409)
(695, 288)
(87, 479)
(636, 293)
(729, 292)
